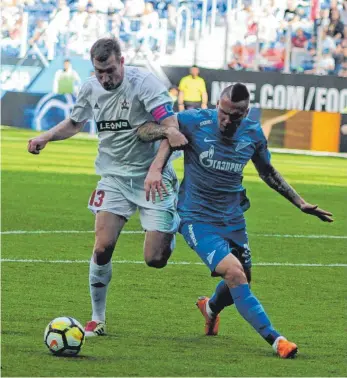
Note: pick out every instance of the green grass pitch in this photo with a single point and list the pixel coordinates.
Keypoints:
(154, 327)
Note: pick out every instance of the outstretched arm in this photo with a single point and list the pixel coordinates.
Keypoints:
(275, 181)
(63, 130)
(151, 131)
(168, 129)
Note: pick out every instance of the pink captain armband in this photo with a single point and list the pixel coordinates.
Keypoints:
(162, 112)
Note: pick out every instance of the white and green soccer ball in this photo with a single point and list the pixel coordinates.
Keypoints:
(64, 336)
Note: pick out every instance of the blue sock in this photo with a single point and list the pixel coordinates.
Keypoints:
(221, 298)
(252, 311)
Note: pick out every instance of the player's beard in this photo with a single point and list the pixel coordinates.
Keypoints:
(231, 128)
(111, 86)
(115, 83)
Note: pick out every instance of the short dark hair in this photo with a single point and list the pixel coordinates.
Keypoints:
(236, 92)
(67, 60)
(103, 48)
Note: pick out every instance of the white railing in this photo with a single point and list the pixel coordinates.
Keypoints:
(179, 26)
(213, 16)
(24, 35)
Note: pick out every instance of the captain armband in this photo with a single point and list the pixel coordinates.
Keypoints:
(162, 112)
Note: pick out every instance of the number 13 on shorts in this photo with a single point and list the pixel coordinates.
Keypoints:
(97, 198)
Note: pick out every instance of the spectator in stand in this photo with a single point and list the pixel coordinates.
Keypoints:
(94, 27)
(133, 8)
(60, 18)
(242, 57)
(67, 80)
(39, 35)
(192, 91)
(302, 20)
(78, 20)
(299, 40)
(328, 42)
(340, 56)
(149, 30)
(308, 63)
(343, 70)
(336, 27)
(343, 13)
(268, 26)
(333, 6)
(272, 59)
(325, 65)
(323, 19)
(291, 14)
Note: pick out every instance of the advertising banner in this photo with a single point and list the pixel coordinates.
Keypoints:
(270, 90)
(37, 111)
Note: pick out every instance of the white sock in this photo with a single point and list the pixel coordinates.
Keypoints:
(99, 274)
(274, 345)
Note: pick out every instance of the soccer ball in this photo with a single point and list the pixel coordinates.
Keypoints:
(64, 336)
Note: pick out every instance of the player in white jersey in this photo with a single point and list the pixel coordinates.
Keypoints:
(120, 99)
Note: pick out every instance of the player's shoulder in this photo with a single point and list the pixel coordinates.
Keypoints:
(252, 126)
(136, 75)
(199, 117)
(90, 84)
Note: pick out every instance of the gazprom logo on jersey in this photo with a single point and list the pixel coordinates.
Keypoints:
(206, 159)
(119, 124)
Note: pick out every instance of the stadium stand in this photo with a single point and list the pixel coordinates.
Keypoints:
(266, 35)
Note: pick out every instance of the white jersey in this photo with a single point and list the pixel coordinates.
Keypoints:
(118, 114)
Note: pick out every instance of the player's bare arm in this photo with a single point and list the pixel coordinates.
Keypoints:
(275, 181)
(173, 138)
(168, 129)
(64, 130)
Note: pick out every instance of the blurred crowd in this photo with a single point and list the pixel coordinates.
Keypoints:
(318, 43)
(259, 33)
(73, 26)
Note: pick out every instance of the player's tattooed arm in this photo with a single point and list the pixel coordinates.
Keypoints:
(151, 131)
(275, 181)
(168, 129)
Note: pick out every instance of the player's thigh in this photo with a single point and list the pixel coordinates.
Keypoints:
(162, 215)
(108, 227)
(207, 242)
(112, 210)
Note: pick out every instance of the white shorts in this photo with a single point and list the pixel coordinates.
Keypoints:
(123, 196)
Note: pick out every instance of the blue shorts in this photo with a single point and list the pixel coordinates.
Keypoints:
(213, 243)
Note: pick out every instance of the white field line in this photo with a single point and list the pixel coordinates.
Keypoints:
(170, 263)
(18, 232)
(276, 150)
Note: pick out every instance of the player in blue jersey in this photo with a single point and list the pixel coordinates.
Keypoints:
(221, 143)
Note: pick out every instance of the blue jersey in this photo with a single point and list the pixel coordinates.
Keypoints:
(213, 168)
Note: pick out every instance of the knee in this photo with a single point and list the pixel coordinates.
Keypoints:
(156, 262)
(235, 275)
(103, 252)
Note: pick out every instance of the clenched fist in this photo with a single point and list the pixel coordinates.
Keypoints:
(35, 145)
